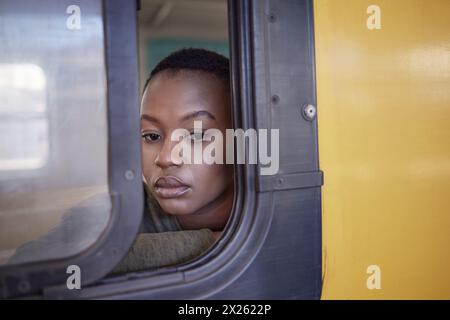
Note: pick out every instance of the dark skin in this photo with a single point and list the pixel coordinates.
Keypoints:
(199, 195)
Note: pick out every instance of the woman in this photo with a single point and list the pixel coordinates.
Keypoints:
(189, 85)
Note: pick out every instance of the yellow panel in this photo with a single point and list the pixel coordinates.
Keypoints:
(384, 146)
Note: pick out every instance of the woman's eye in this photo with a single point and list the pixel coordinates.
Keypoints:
(151, 137)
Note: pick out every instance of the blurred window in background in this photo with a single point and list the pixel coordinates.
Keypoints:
(53, 129)
(166, 26)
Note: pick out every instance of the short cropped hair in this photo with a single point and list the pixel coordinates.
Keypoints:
(195, 60)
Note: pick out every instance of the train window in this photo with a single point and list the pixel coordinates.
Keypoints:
(69, 141)
(60, 189)
(184, 71)
(52, 119)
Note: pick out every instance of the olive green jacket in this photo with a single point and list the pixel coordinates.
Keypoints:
(160, 241)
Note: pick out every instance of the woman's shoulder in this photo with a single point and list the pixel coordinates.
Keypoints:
(156, 250)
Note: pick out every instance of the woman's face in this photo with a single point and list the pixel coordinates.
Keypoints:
(174, 101)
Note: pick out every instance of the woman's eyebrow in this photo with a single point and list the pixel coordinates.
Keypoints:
(149, 118)
(197, 114)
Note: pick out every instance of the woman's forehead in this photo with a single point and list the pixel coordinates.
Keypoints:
(198, 83)
(184, 93)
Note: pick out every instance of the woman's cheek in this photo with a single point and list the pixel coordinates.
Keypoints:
(214, 179)
(147, 158)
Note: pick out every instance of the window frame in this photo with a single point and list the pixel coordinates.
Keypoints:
(253, 216)
(185, 279)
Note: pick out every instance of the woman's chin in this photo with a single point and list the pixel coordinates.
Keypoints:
(173, 207)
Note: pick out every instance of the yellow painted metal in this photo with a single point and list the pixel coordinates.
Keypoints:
(384, 146)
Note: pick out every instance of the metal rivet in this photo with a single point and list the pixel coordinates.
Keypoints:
(275, 99)
(129, 175)
(309, 112)
(272, 17)
(280, 181)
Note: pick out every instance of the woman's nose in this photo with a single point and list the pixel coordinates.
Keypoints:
(164, 157)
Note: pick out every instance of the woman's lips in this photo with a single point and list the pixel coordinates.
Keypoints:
(170, 187)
